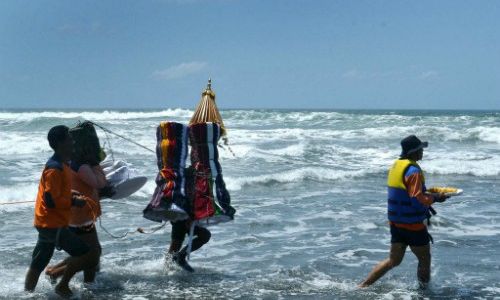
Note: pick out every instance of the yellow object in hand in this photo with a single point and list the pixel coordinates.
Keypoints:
(443, 190)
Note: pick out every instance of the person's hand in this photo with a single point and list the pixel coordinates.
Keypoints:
(107, 192)
(78, 201)
(441, 197)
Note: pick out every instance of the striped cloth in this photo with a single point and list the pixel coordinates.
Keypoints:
(169, 202)
(211, 201)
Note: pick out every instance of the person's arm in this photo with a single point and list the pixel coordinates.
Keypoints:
(414, 185)
(92, 176)
(101, 177)
(54, 195)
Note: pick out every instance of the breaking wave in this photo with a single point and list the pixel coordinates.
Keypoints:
(93, 115)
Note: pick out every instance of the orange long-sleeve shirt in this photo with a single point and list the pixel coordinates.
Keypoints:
(415, 187)
(53, 202)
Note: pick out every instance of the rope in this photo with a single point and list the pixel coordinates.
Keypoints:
(153, 229)
(226, 142)
(113, 235)
(228, 148)
(138, 230)
(108, 140)
(190, 240)
(122, 137)
(17, 202)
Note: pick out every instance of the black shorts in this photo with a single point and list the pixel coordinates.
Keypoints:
(181, 228)
(55, 238)
(410, 237)
(89, 236)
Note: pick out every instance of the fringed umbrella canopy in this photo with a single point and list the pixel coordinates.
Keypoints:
(207, 110)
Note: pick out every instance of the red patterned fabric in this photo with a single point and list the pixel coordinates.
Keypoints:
(211, 200)
(171, 151)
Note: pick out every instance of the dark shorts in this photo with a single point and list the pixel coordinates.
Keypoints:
(88, 236)
(181, 228)
(57, 238)
(410, 237)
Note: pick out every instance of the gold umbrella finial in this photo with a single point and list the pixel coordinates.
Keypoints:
(207, 110)
(208, 90)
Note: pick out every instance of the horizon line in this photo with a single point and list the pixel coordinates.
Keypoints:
(245, 108)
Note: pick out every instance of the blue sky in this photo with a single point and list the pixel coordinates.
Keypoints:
(260, 54)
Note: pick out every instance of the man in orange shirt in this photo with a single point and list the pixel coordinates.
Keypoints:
(52, 215)
(408, 207)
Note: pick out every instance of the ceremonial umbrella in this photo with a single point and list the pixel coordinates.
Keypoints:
(207, 110)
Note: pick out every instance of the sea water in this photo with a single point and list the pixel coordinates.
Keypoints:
(309, 189)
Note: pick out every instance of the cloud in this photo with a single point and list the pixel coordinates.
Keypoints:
(357, 74)
(430, 74)
(353, 73)
(80, 28)
(180, 70)
(410, 74)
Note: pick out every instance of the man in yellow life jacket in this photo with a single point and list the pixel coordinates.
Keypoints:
(408, 206)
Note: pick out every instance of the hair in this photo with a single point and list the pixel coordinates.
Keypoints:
(57, 135)
(411, 155)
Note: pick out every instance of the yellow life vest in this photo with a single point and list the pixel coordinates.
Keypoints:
(397, 173)
(401, 208)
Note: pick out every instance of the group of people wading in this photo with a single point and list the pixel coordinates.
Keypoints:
(68, 203)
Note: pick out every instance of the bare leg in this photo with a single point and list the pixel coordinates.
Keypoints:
(57, 270)
(40, 259)
(395, 257)
(56, 266)
(31, 280)
(89, 274)
(423, 254)
(93, 241)
(76, 264)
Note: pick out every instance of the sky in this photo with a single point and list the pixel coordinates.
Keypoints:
(259, 54)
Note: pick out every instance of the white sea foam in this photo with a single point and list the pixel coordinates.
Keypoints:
(18, 193)
(296, 175)
(462, 162)
(309, 192)
(292, 150)
(487, 134)
(483, 230)
(14, 143)
(94, 116)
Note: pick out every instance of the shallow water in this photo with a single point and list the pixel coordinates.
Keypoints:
(309, 187)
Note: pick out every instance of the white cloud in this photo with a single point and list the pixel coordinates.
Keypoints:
(431, 74)
(357, 74)
(410, 74)
(180, 70)
(353, 73)
(80, 28)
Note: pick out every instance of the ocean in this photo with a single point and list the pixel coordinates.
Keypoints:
(310, 192)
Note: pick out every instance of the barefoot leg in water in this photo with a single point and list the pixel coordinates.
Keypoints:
(423, 254)
(394, 260)
(75, 264)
